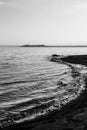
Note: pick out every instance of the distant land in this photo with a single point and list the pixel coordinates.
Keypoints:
(43, 45)
(27, 45)
(33, 45)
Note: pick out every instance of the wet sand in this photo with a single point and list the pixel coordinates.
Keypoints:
(72, 116)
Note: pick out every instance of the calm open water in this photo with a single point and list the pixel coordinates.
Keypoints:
(30, 85)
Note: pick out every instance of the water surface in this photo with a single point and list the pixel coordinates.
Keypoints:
(31, 85)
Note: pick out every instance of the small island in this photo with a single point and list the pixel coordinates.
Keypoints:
(33, 45)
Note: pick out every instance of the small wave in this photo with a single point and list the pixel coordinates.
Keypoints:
(25, 102)
(16, 82)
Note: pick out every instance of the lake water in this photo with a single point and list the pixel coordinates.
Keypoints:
(30, 85)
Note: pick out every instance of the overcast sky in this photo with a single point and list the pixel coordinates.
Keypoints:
(43, 21)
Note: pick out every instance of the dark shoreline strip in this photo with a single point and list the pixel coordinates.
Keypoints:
(66, 112)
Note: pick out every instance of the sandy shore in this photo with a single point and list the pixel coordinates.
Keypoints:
(72, 116)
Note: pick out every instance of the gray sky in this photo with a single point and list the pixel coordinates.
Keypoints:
(43, 21)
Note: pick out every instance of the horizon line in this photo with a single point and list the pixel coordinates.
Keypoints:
(45, 45)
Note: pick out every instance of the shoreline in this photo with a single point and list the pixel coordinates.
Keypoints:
(64, 118)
